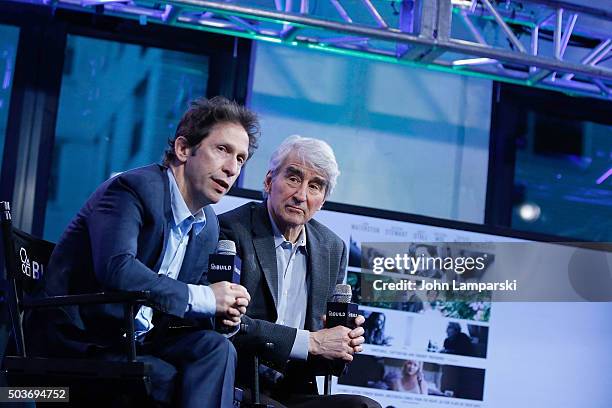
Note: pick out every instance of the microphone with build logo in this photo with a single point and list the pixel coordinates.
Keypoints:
(224, 266)
(340, 312)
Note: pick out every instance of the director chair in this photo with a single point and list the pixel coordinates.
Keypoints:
(89, 381)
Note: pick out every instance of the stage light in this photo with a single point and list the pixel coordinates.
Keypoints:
(529, 212)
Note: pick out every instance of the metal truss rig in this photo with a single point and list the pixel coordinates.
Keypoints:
(542, 43)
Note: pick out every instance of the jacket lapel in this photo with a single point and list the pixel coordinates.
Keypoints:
(263, 242)
(188, 267)
(195, 263)
(167, 216)
(318, 278)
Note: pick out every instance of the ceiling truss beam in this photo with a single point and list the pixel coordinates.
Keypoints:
(417, 33)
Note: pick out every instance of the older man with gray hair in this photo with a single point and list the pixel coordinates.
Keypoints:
(291, 264)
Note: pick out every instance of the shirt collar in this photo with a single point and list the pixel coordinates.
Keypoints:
(183, 219)
(279, 238)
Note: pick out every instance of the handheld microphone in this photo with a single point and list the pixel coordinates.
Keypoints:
(224, 265)
(340, 310)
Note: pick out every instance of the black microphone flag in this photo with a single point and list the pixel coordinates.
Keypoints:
(340, 310)
(224, 265)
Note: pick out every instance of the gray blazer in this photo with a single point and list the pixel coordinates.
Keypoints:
(250, 228)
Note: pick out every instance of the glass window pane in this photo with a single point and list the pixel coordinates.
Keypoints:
(406, 139)
(119, 104)
(563, 177)
(9, 39)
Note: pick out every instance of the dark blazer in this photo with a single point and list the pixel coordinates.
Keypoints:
(117, 242)
(250, 228)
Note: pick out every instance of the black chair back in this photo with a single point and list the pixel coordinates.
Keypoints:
(26, 258)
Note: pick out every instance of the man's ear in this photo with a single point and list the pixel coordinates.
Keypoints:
(182, 150)
(268, 182)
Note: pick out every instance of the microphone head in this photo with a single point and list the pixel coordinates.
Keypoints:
(226, 247)
(342, 294)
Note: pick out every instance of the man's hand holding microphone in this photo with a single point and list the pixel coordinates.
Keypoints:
(343, 335)
(337, 342)
(231, 298)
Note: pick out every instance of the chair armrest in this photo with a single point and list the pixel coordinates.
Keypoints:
(258, 348)
(89, 299)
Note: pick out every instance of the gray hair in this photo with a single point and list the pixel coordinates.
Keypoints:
(312, 152)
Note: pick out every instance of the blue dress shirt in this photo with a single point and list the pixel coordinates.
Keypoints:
(292, 267)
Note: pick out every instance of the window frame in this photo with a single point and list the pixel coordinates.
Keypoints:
(510, 103)
(34, 103)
